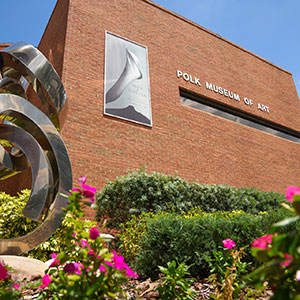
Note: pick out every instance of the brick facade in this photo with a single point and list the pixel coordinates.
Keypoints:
(192, 143)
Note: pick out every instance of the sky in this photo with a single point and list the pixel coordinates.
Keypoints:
(268, 28)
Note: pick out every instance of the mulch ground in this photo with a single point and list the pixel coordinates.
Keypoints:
(145, 290)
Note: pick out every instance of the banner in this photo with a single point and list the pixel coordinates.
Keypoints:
(126, 80)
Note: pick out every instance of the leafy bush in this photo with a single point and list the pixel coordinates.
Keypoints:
(13, 224)
(139, 192)
(131, 233)
(191, 239)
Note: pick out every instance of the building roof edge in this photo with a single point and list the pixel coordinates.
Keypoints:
(214, 34)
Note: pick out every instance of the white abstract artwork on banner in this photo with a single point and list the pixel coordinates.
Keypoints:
(126, 83)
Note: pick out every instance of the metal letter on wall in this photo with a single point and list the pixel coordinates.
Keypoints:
(126, 84)
(32, 98)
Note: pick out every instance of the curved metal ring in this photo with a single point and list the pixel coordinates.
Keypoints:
(22, 59)
(32, 125)
(15, 106)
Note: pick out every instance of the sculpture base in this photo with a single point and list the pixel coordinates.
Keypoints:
(25, 268)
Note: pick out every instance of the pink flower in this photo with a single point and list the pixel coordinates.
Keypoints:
(82, 180)
(118, 261)
(94, 233)
(290, 192)
(288, 260)
(108, 263)
(76, 190)
(89, 192)
(86, 190)
(16, 286)
(78, 267)
(121, 265)
(46, 281)
(74, 234)
(55, 261)
(102, 269)
(228, 243)
(298, 275)
(131, 273)
(73, 268)
(3, 272)
(263, 242)
(70, 268)
(83, 243)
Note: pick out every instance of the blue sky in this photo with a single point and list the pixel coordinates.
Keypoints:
(268, 28)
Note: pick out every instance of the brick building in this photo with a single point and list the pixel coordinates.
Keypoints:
(219, 113)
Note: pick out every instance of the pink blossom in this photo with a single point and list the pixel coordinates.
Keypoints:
(70, 268)
(228, 243)
(290, 192)
(16, 286)
(46, 281)
(82, 180)
(102, 269)
(55, 261)
(118, 261)
(298, 275)
(83, 243)
(78, 267)
(108, 263)
(121, 265)
(263, 242)
(73, 268)
(86, 190)
(89, 192)
(131, 273)
(3, 272)
(287, 261)
(94, 233)
(74, 234)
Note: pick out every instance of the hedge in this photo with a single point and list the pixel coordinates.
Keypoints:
(191, 239)
(139, 192)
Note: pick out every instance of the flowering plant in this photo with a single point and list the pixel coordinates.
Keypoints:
(174, 284)
(8, 289)
(280, 254)
(227, 270)
(85, 269)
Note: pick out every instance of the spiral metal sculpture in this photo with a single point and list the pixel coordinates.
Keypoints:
(32, 109)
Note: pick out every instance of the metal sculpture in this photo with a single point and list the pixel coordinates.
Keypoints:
(32, 109)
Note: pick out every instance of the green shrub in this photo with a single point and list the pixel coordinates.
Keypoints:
(13, 224)
(139, 192)
(131, 233)
(191, 239)
(57, 242)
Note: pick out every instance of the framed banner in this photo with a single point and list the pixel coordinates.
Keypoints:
(126, 80)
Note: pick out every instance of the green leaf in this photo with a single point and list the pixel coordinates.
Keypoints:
(260, 254)
(92, 289)
(286, 222)
(74, 277)
(296, 203)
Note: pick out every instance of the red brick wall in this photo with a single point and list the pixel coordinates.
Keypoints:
(4, 45)
(196, 145)
(52, 44)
